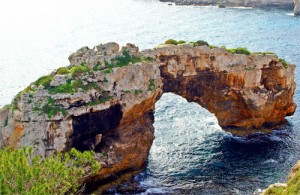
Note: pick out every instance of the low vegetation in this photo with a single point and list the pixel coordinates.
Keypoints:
(50, 109)
(151, 85)
(284, 63)
(293, 186)
(21, 172)
(174, 42)
(72, 86)
(200, 43)
(239, 50)
(264, 53)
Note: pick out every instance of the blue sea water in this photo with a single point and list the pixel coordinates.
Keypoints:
(191, 153)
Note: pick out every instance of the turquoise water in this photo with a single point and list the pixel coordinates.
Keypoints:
(191, 154)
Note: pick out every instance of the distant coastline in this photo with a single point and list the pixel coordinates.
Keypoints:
(283, 4)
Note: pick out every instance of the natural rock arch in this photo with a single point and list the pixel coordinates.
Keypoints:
(106, 99)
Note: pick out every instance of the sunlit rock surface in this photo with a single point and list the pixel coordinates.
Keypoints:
(105, 100)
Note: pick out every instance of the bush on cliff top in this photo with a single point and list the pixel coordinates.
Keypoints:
(174, 42)
(124, 60)
(23, 173)
(239, 50)
(200, 43)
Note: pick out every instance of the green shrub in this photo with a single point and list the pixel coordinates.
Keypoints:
(200, 43)
(124, 60)
(44, 81)
(65, 88)
(51, 109)
(171, 41)
(21, 172)
(181, 42)
(239, 50)
(63, 71)
(78, 70)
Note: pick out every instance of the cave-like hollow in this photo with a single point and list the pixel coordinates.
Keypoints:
(88, 127)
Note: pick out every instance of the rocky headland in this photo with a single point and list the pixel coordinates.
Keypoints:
(290, 4)
(105, 99)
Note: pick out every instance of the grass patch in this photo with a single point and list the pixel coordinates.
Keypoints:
(50, 109)
(72, 87)
(62, 71)
(151, 85)
(44, 81)
(284, 63)
(24, 173)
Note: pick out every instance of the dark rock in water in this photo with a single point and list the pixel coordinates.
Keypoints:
(131, 187)
(221, 6)
(170, 4)
(230, 3)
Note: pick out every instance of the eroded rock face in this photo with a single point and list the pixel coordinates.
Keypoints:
(105, 99)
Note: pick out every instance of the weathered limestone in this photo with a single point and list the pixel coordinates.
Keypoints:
(102, 104)
(296, 7)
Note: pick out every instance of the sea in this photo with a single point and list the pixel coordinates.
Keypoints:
(191, 154)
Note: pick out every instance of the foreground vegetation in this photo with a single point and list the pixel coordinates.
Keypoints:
(293, 186)
(21, 172)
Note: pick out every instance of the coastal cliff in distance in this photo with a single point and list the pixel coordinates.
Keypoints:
(290, 4)
(105, 100)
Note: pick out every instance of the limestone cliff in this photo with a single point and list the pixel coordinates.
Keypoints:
(105, 99)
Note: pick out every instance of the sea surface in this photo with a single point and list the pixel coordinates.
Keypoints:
(191, 153)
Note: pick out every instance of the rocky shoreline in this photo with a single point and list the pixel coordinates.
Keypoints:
(105, 100)
(292, 5)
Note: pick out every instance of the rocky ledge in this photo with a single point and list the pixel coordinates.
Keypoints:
(105, 100)
(286, 4)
